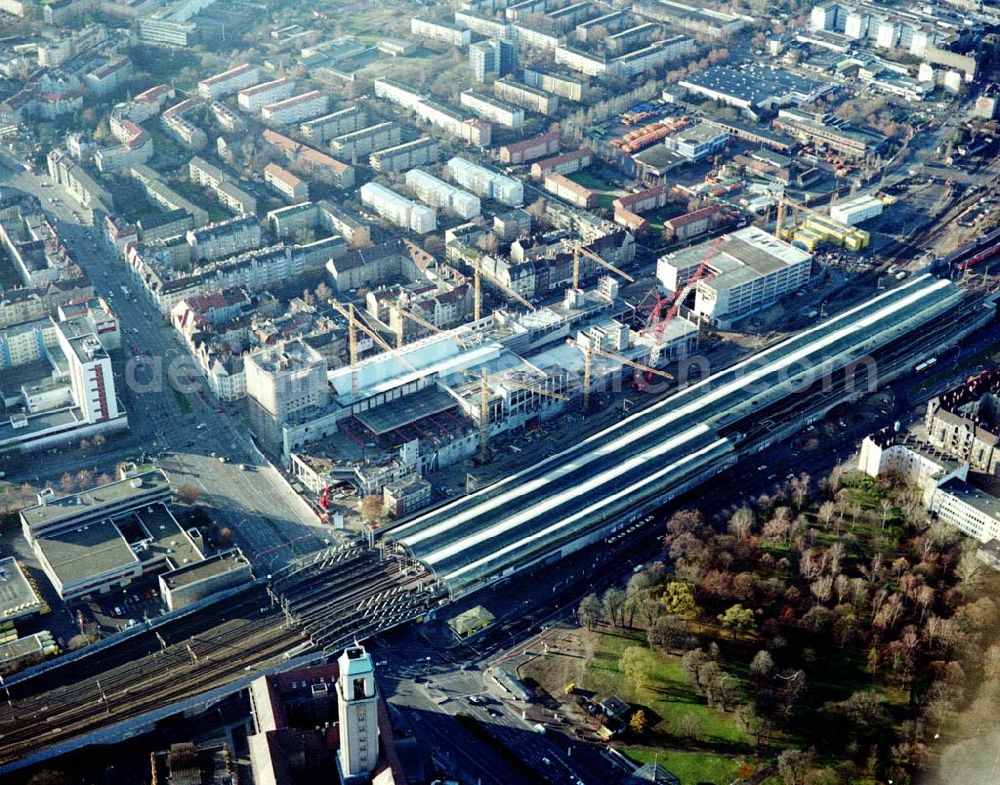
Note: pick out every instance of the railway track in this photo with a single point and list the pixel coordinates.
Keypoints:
(345, 594)
(159, 679)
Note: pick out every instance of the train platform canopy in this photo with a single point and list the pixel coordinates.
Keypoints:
(406, 410)
(576, 496)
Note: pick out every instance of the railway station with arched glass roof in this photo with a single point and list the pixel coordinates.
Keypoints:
(574, 496)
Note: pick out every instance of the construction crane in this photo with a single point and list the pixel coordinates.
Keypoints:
(579, 250)
(478, 291)
(783, 203)
(484, 405)
(659, 320)
(353, 325)
(589, 350)
(404, 313)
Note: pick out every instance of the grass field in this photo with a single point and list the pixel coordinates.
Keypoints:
(661, 691)
(590, 180)
(691, 767)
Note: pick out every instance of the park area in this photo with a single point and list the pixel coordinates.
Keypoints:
(696, 742)
(826, 633)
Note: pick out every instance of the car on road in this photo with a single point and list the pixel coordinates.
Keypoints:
(494, 713)
(220, 411)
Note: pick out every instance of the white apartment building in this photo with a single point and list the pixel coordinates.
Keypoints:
(225, 238)
(439, 31)
(91, 377)
(228, 82)
(524, 95)
(398, 93)
(486, 183)
(398, 209)
(493, 109)
(404, 156)
(296, 109)
(749, 271)
(324, 128)
(437, 193)
(653, 56)
(251, 99)
(354, 144)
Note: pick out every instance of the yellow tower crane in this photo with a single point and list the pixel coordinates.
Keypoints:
(783, 203)
(484, 405)
(353, 325)
(589, 350)
(478, 291)
(579, 250)
(402, 314)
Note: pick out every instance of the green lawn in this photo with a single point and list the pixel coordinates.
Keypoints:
(690, 767)
(663, 690)
(592, 181)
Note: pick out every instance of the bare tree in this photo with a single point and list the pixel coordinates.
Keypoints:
(188, 493)
(589, 611)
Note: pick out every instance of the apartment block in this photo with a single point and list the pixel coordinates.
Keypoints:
(225, 238)
(557, 84)
(493, 109)
(439, 32)
(324, 128)
(419, 152)
(355, 144)
(437, 193)
(566, 189)
(295, 109)
(486, 183)
(522, 95)
(314, 163)
(252, 99)
(530, 149)
(398, 209)
(229, 82)
(287, 184)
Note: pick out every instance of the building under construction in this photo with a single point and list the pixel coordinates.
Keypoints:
(426, 405)
(735, 276)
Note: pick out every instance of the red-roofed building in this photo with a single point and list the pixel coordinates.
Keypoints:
(530, 149)
(692, 224)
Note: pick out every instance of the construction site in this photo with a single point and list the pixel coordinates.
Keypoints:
(459, 405)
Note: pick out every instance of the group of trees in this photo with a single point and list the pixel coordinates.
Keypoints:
(814, 576)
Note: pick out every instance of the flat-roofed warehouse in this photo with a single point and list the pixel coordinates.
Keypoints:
(577, 496)
(755, 87)
(18, 599)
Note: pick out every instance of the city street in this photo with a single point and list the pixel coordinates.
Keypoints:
(171, 412)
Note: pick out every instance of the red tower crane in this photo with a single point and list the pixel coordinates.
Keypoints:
(702, 273)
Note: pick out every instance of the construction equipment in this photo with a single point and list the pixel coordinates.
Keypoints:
(478, 291)
(352, 341)
(589, 350)
(579, 250)
(659, 320)
(353, 324)
(826, 228)
(484, 404)
(401, 315)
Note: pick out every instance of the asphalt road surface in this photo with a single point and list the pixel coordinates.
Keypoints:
(170, 409)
